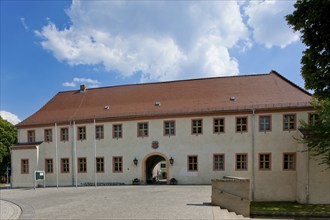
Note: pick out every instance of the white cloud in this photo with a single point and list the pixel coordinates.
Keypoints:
(161, 40)
(10, 117)
(91, 83)
(166, 40)
(266, 18)
(24, 24)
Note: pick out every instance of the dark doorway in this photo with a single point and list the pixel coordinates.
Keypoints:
(156, 170)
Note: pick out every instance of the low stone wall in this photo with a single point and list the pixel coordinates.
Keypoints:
(232, 193)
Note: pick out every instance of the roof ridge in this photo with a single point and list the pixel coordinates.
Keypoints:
(290, 82)
(173, 81)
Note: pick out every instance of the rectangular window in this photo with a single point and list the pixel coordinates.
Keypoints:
(192, 163)
(48, 165)
(82, 165)
(312, 118)
(197, 126)
(65, 166)
(169, 128)
(81, 133)
(289, 161)
(117, 164)
(218, 125)
(265, 123)
(48, 135)
(265, 161)
(289, 122)
(64, 134)
(241, 124)
(100, 164)
(25, 166)
(218, 162)
(241, 162)
(163, 165)
(117, 131)
(31, 136)
(99, 132)
(143, 130)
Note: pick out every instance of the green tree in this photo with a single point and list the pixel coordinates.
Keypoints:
(311, 19)
(8, 137)
(316, 133)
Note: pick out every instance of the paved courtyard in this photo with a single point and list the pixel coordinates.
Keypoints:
(113, 202)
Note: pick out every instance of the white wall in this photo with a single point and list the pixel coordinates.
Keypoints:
(276, 184)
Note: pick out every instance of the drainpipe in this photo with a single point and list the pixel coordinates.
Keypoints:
(253, 137)
(74, 164)
(307, 187)
(56, 155)
(95, 175)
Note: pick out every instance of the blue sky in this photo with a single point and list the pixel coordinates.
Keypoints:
(52, 46)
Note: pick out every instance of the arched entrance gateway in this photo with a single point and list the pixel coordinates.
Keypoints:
(155, 168)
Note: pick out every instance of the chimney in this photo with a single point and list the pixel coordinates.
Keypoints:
(83, 88)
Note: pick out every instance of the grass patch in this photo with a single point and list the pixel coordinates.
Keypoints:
(286, 207)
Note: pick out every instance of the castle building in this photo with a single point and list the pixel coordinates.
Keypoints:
(199, 129)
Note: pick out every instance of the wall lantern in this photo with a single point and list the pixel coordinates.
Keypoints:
(171, 161)
(135, 161)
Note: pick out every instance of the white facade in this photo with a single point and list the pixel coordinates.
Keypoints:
(306, 182)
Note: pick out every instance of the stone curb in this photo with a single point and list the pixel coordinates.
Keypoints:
(9, 210)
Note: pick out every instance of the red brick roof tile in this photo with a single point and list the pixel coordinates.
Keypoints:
(176, 97)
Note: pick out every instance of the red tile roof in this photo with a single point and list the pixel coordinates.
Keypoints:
(264, 91)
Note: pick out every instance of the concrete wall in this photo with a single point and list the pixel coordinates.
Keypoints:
(275, 184)
(232, 194)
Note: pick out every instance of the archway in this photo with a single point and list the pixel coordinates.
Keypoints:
(155, 168)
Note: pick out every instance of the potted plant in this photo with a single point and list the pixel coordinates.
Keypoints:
(136, 181)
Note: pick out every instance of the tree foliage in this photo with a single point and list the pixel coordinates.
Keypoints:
(8, 137)
(317, 132)
(311, 19)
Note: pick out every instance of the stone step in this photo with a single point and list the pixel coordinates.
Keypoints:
(219, 213)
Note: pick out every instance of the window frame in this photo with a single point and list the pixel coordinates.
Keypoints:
(99, 134)
(223, 126)
(101, 165)
(115, 132)
(193, 163)
(312, 117)
(246, 161)
(25, 167)
(64, 134)
(264, 123)
(82, 164)
(170, 128)
(47, 165)
(48, 137)
(241, 124)
(294, 122)
(197, 126)
(81, 135)
(63, 170)
(114, 170)
(31, 134)
(143, 129)
(262, 162)
(223, 162)
(294, 154)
